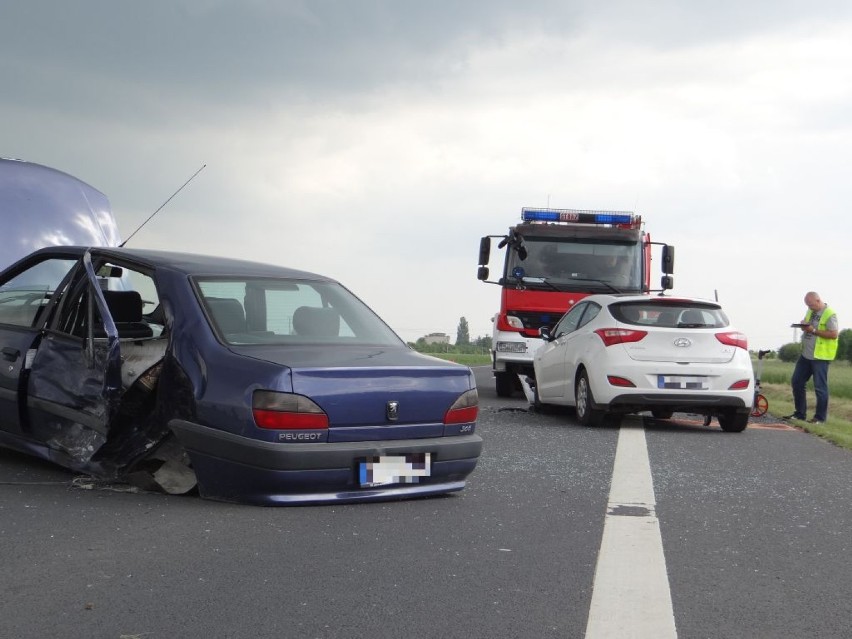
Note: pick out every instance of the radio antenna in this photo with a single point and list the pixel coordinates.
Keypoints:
(203, 166)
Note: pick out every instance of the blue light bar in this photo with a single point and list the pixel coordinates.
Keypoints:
(613, 218)
(575, 215)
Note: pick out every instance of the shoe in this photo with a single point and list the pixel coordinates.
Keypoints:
(792, 416)
(815, 421)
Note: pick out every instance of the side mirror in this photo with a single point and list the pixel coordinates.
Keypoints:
(484, 252)
(666, 282)
(668, 260)
(482, 273)
(544, 333)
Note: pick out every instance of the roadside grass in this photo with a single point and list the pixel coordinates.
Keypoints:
(775, 384)
(468, 359)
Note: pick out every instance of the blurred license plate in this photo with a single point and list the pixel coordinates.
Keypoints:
(394, 469)
(682, 382)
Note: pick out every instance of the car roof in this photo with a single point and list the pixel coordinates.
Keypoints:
(188, 263)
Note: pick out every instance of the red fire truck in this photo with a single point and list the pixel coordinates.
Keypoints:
(554, 258)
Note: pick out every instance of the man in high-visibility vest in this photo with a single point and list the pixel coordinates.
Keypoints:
(819, 347)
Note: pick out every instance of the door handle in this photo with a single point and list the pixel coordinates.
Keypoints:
(11, 354)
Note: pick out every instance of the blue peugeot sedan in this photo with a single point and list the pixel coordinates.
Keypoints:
(252, 383)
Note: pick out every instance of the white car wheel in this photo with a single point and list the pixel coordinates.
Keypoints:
(584, 400)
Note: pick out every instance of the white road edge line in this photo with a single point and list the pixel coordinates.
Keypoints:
(631, 596)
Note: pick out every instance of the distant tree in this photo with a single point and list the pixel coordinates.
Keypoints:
(790, 352)
(483, 342)
(463, 333)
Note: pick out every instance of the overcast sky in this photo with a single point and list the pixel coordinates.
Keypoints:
(376, 141)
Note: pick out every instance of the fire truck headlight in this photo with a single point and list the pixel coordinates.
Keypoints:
(509, 322)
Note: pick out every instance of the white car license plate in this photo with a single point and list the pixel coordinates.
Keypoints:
(682, 382)
(394, 469)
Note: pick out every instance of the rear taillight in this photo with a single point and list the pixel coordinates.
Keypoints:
(733, 338)
(464, 410)
(612, 336)
(286, 411)
(740, 385)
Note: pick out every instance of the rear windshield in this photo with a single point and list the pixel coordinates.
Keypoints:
(675, 314)
(269, 311)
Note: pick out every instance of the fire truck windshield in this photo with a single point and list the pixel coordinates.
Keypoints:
(576, 265)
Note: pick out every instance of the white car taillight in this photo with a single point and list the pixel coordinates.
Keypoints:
(733, 338)
(612, 336)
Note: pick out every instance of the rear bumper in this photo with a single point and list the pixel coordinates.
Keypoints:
(693, 402)
(234, 468)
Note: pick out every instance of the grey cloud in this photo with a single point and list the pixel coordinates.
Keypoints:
(96, 56)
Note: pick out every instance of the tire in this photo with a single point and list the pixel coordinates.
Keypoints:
(586, 414)
(505, 384)
(662, 413)
(733, 422)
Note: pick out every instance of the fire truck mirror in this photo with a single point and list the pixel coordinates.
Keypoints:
(666, 282)
(668, 259)
(484, 252)
(482, 273)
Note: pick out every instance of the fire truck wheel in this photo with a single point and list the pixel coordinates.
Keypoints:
(505, 384)
(586, 415)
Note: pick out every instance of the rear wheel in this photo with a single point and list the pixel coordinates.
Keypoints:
(505, 384)
(733, 422)
(586, 414)
(661, 413)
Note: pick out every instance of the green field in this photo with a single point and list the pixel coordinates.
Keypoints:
(465, 358)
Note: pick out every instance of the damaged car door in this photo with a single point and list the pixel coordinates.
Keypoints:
(75, 374)
(26, 296)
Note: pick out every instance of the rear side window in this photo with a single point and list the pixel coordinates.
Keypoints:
(265, 311)
(674, 314)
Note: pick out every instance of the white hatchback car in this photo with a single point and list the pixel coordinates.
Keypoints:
(616, 354)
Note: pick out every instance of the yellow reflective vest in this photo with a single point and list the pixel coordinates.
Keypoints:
(824, 348)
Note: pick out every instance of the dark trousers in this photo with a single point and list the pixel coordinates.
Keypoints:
(805, 369)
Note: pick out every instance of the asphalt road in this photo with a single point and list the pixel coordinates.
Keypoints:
(755, 529)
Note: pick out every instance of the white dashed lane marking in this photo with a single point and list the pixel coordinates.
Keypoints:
(631, 596)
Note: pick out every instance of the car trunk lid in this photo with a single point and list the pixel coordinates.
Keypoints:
(677, 345)
(373, 393)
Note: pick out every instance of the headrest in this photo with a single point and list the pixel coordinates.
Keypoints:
(316, 322)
